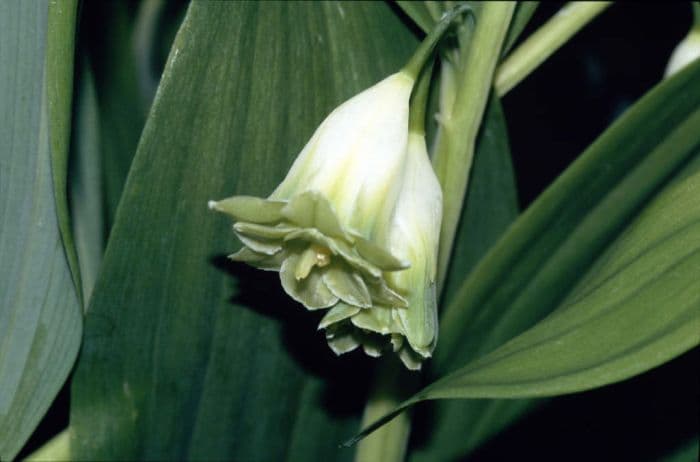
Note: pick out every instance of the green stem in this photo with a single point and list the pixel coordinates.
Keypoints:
(696, 14)
(425, 49)
(544, 42)
(419, 101)
(392, 385)
(459, 124)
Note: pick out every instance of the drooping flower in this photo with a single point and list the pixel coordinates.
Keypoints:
(320, 227)
(354, 226)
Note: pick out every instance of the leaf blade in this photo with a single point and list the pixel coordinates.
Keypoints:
(40, 320)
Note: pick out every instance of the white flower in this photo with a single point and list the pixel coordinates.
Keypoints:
(324, 228)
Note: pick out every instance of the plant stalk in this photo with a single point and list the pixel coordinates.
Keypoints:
(544, 42)
(392, 386)
(460, 121)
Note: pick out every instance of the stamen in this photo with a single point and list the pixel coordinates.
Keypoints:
(323, 255)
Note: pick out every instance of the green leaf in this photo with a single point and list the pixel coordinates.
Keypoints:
(40, 321)
(623, 281)
(189, 356)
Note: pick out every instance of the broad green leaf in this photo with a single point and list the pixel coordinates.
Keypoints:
(623, 281)
(40, 320)
(188, 355)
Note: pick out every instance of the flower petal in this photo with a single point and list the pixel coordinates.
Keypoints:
(311, 209)
(265, 246)
(338, 313)
(258, 260)
(262, 231)
(382, 295)
(410, 359)
(347, 285)
(378, 256)
(341, 339)
(310, 291)
(249, 208)
(377, 319)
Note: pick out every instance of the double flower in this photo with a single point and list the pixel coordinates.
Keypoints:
(353, 228)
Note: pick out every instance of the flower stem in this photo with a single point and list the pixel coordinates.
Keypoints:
(544, 42)
(459, 124)
(419, 101)
(425, 50)
(392, 385)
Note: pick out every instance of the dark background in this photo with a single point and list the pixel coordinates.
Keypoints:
(553, 115)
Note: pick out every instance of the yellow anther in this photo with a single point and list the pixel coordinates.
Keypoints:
(323, 255)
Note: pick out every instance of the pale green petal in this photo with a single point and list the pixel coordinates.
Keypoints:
(341, 339)
(312, 210)
(376, 319)
(347, 285)
(305, 263)
(397, 341)
(419, 320)
(311, 291)
(382, 295)
(339, 312)
(378, 256)
(258, 260)
(265, 246)
(263, 231)
(249, 208)
(410, 359)
(373, 345)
